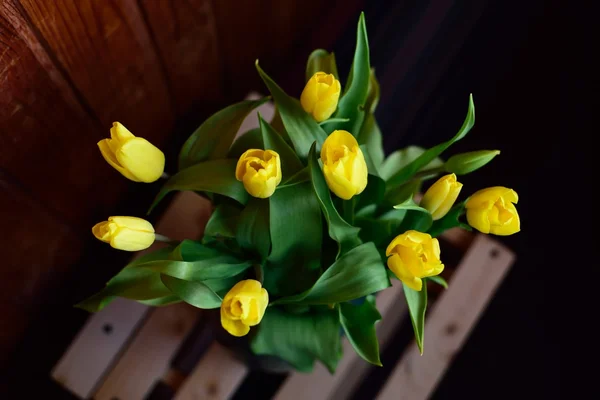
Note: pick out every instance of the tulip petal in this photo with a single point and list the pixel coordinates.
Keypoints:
(142, 159)
(119, 133)
(510, 227)
(100, 231)
(106, 149)
(338, 184)
(234, 327)
(360, 173)
(131, 240)
(492, 194)
(134, 223)
(478, 219)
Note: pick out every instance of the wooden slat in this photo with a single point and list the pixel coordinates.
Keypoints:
(450, 321)
(320, 384)
(147, 358)
(107, 52)
(185, 34)
(97, 345)
(216, 377)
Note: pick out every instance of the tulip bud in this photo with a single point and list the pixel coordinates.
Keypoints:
(412, 256)
(493, 210)
(134, 157)
(344, 165)
(440, 197)
(320, 96)
(464, 163)
(260, 172)
(243, 306)
(125, 233)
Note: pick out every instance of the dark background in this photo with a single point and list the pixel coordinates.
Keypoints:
(525, 64)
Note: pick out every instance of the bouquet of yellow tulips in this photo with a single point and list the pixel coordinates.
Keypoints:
(310, 218)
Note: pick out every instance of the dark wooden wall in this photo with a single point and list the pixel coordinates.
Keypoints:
(69, 68)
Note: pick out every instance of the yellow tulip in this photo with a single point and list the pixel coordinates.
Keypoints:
(344, 165)
(440, 197)
(259, 171)
(125, 233)
(320, 96)
(134, 157)
(413, 256)
(493, 210)
(243, 306)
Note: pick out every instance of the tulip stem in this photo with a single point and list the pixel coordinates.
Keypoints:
(349, 210)
(428, 173)
(258, 271)
(162, 238)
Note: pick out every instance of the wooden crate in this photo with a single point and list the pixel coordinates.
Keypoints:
(129, 351)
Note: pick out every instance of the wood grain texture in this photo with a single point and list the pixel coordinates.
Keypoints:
(106, 50)
(47, 143)
(186, 38)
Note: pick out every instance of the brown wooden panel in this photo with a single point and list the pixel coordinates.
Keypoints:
(48, 142)
(37, 250)
(185, 35)
(105, 48)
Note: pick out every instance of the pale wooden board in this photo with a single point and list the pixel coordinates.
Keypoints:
(148, 356)
(216, 377)
(92, 352)
(320, 384)
(450, 321)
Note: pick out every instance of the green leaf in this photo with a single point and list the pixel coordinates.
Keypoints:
(409, 204)
(161, 301)
(371, 167)
(213, 138)
(373, 193)
(401, 158)
(401, 192)
(194, 293)
(253, 228)
(296, 235)
(332, 120)
(353, 100)
(302, 129)
(409, 170)
(417, 304)
(299, 339)
(321, 61)
(216, 176)
(357, 273)
(299, 177)
(358, 322)
(339, 230)
(370, 136)
(290, 164)
(465, 163)
(450, 220)
(373, 93)
(249, 140)
(223, 221)
(132, 283)
(191, 250)
(439, 280)
(210, 268)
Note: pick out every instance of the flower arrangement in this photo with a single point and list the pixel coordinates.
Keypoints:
(310, 218)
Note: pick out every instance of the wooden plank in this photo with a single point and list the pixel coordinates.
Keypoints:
(97, 346)
(320, 384)
(91, 353)
(216, 377)
(450, 321)
(48, 143)
(147, 358)
(108, 54)
(185, 35)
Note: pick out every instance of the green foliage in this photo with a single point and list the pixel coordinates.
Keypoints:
(450, 220)
(321, 61)
(216, 176)
(465, 163)
(213, 138)
(417, 305)
(358, 322)
(300, 339)
(302, 129)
